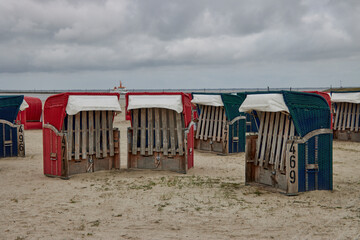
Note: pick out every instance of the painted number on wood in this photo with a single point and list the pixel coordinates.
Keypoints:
(21, 142)
(292, 167)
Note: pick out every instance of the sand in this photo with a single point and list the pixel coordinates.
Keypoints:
(210, 202)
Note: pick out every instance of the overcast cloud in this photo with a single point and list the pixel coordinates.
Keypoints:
(179, 44)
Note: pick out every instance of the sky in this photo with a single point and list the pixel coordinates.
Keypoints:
(94, 44)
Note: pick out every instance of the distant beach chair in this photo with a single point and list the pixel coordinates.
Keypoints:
(347, 115)
(161, 136)
(220, 127)
(78, 133)
(12, 142)
(31, 117)
(292, 151)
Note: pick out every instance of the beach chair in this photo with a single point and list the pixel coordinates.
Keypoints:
(292, 151)
(12, 142)
(220, 127)
(31, 116)
(78, 133)
(347, 115)
(161, 136)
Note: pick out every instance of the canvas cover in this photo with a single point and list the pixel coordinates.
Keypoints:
(9, 107)
(265, 103)
(77, 103)
(230, 102)
(34, 112)
(24, 105)
(207, 99)
(185, 100)
(172, 102)
(309, 111)
(349, 97)
(55, 106)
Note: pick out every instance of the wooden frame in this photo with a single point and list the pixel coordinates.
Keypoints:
(214, 133)
(273, 157)
(347, 121)
(157, 140)
(88, 142)
(12, 139)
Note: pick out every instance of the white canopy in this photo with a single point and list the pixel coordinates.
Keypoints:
(207, 99)
(351, 97)
(173, 102)
(264, 102)
(24, 105)
(77, 103)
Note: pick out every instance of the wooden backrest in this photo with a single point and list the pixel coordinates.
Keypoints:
(274, 131)
(347, 116)
(159, 130)
(211, 123)
(89, 133)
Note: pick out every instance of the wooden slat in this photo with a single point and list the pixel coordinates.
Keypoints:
(263, 144)
(97, 134)
(207, 123)
(84, 135)
(269, 138)
(285, 138)
(260, 133)
(104, 135)
(199, 122)
(69, 136)
(216, 123)
(280, 140)
(135, 130)
(179, 133)
(143, 131)
(212, 122)
(337, 116)
(220, 126)
(292, 129)
(172, 132)
(357, 118)
(203, 120)
(224, 138)
(345, 116)
(111, 136)
(165, 131)
(157, 131)
(77, 136)
(352, 124)
(340, 112)
(274, 136)
(225, 133)
(150, 131)
(91, 133)
(349, 115)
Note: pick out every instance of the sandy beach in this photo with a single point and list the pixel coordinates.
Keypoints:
(210, 202)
